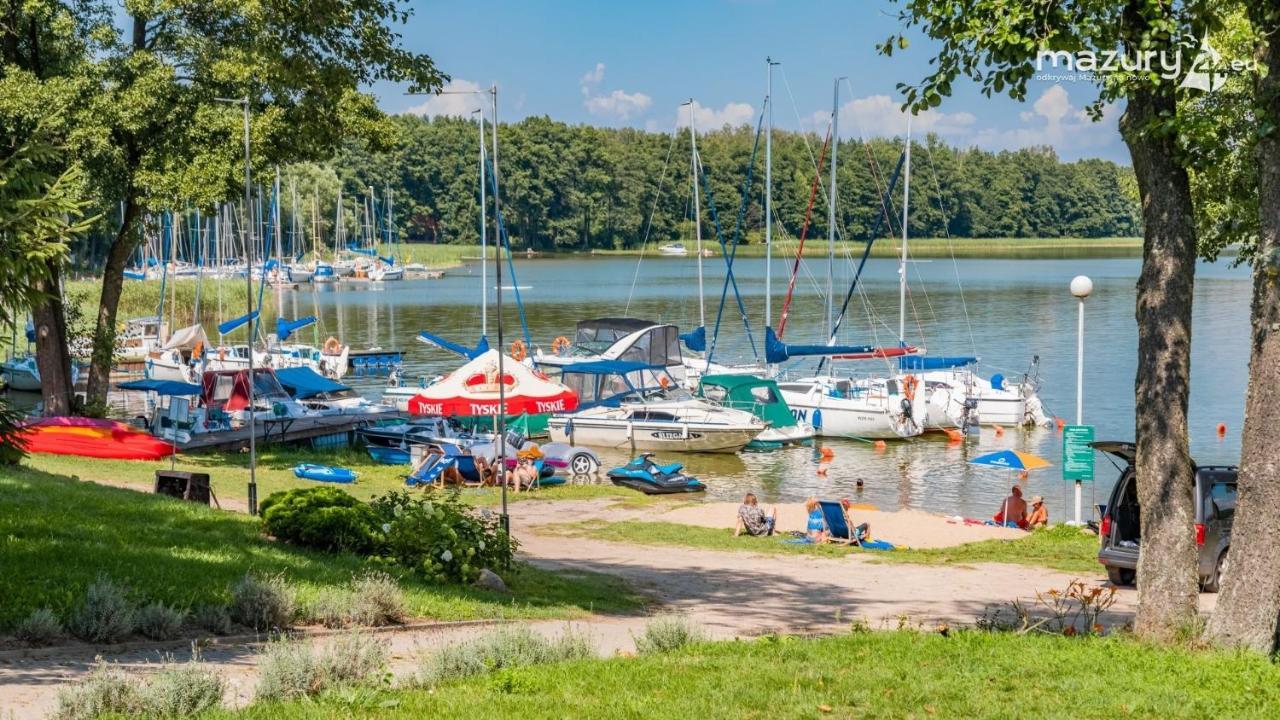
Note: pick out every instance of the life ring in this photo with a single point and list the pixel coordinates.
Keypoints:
(909, 384)
(518, 350)
(332, 346)
(560, 344)
(663, 382)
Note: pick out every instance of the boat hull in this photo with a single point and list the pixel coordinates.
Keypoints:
(660, 436)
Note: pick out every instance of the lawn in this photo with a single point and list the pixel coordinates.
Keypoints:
(1060, 548)
(229, 475)
(57, 535)
(901, 674)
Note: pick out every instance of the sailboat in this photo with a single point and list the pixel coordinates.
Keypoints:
(389, 270)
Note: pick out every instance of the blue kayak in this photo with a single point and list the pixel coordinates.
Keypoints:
(324, 473)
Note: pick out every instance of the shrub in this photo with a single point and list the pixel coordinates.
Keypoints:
(182, 689)
(160, 622)
(214, 618)
(502, 649)
(292, 669)
(377, 600)
(441, 537)
(321, 517)
(667, 633)
(262, 603)
(352, 658)
(106, 615)
(41, 627)
(332, 608)
(106, 691)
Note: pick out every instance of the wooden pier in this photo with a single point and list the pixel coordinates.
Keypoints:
(284, 430)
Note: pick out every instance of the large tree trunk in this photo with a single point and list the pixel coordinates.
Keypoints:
(1167, 582)
(1249, 605)
(53, 358)
(104, 332)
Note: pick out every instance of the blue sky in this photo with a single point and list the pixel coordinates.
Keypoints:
(634, 63)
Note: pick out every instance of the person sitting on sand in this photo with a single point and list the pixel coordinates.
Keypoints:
(523, 475)
(752, 520)
(816, 528)
(1013, 511)
(1039, 516)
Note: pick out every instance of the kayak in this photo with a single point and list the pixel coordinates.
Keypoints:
(91, 437)
(324, 473)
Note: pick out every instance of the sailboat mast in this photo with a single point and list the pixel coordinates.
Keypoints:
(337, 226)
(831, 209)
(697, 216)
(902, 265)
(484, 239)
(768, 196)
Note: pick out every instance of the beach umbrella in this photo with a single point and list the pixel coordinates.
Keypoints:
(1010, 460)
(475, 388)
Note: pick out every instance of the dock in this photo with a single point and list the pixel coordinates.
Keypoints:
(329, 428)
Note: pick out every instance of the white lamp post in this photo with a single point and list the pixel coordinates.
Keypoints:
(1081, 287)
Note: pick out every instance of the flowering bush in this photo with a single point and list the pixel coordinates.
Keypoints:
(440, 537)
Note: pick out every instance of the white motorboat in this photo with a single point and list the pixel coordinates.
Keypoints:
(387, 273)
(300, 274)
(871, 409)
(673, 249)
(324, 273)
(623, 406)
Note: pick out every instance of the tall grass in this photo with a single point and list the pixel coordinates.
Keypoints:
(219, 299)
(1007, 248)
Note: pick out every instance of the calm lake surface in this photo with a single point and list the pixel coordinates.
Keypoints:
(1004, 311)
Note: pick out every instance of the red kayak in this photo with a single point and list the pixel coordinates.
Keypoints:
(91, 437)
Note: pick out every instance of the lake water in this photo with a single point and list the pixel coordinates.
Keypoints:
(1004, 311)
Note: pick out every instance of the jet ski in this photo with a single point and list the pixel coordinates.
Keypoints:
(650, 478)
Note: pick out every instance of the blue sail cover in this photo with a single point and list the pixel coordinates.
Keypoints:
(941, 362)
(695, 340)
(388, 260)
(285, 328)
(360, 250)
(481, 347)
(776, 351)
(134, 275)
(303, 382)
(230, 325)
(162, 387)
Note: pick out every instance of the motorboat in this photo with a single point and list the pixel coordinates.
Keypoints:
(761, 398)
(386, 273)
(872, 409)
(674, 249)
(624, 408)
(618, 338)
(140, 337)
(324, 273)
(651, 478)
(300, 274)
(322, 395)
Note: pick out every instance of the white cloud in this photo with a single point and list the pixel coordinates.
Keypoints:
(618, 104)
(1053, 120)
(457, 99)
(881, 115)
(732, 114)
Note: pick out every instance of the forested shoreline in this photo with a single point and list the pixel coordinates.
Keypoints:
(577, 187)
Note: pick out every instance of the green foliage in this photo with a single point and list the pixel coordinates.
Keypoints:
(263, 603)
(106, 615)
(107, 691)
(180, 690)
(41, 627)
(10, 451)
(324, 518)
(159, 621)
(292, 668)
(502, 649)
(441, 537)
(668, 633)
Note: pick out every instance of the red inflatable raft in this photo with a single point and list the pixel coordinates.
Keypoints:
(91, 437)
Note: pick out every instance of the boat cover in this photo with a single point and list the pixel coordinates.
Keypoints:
(776, 351)
(940, 362)
(230, 325)
(456, 348)
(303, 382)
(187, 338)
(285, 328)
(162, 387)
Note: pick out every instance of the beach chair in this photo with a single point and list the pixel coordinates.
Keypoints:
(838, 528)
(431, 471)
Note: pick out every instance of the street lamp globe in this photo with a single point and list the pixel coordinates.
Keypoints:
(1081, 286)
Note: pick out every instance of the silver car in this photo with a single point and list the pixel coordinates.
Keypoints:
(1120, 530)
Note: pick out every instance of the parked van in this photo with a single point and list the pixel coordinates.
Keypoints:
(1215, 506)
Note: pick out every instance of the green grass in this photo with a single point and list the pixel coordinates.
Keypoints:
(1061, 548)
(57, 535)
(140, 298)
(435, 257)
(229, 475)
(864, 675)
(1014, 248)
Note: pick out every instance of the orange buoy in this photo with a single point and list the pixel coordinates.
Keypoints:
(1222, 429)
(1060, 422)
(954, 436)
(999, 431)
(881, 445)
(826, 452)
